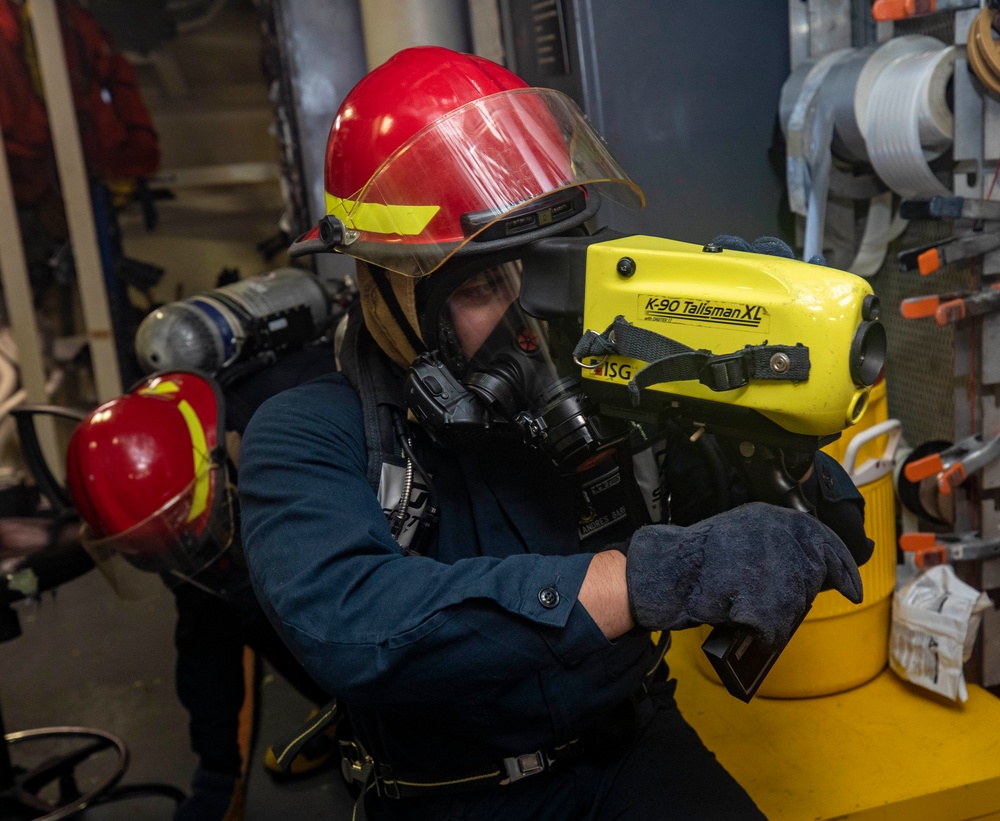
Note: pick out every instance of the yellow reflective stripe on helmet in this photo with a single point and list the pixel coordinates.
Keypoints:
(377, 218)
(199, 448)
(161, 387)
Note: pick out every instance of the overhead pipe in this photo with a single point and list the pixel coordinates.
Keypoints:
(392, 25)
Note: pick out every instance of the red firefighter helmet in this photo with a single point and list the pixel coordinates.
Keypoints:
(435, 151)
(147, 474)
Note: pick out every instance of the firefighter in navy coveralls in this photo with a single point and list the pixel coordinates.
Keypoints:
(483, 612)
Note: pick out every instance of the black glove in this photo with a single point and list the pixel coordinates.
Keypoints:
(757, 565)
(762, 245)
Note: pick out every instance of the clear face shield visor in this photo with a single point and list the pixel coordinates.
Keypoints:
(177, 542)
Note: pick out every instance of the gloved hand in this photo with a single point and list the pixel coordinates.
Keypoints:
(762, 245)
(757, 565)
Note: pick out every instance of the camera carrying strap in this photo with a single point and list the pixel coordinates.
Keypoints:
(672, 361)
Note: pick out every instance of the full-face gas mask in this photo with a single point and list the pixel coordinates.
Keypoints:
(493, 369)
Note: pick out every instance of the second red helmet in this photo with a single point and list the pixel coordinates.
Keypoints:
(147, 474)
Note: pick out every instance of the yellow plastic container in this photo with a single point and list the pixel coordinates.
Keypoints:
(841, 645)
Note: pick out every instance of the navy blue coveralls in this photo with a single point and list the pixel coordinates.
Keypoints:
(477, 651)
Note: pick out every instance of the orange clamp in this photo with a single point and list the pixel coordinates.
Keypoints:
(917, 307)
(885, 10)
(951, 477)
(922, 468)
(929, 261)
(950, 311)
(926, 549)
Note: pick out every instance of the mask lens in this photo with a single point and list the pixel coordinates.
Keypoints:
(481, 304)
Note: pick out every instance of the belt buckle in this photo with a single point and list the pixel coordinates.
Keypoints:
(521, 766)
(386, 785)
(355, 764)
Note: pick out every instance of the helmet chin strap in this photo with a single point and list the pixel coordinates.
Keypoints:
(393, 327)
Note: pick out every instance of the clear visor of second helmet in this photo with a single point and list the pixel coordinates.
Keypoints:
(469, 171)
(179, 540)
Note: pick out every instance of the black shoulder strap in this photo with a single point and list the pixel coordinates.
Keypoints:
(369, 373)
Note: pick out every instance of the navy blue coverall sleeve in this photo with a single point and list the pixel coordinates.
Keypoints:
(363, 618)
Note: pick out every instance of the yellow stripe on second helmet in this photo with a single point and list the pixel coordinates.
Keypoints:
(199, 448)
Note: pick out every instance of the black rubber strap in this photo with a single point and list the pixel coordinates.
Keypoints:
(672, 361)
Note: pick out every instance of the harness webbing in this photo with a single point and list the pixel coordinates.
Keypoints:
(381, 397)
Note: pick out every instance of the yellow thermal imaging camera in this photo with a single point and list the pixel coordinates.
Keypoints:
(751, 346)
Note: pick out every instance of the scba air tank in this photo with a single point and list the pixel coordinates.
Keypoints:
(285, 308)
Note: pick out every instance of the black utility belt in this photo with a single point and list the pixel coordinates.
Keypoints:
(363, 770)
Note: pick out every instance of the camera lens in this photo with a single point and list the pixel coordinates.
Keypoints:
(868, 350)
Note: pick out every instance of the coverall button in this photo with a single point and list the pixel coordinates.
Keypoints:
(548, 597)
